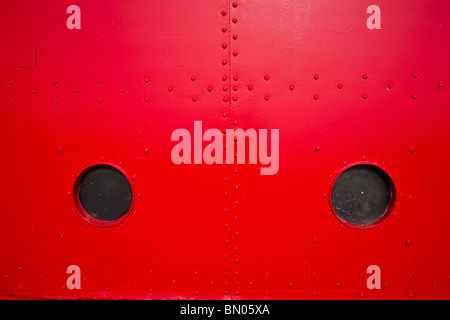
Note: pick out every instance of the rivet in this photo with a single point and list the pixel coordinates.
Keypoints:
(316, 77)
(225, 274)
(59, 149)
(224, 62)
(236, 284)
(364, 96)
(225, 180)
(236, 171)
(362, 233)
(235, 53)
(236, 260)
(340, 86)
(291, 87)
(313, 294)
(212, 283)
(266, 77)
(408, 242)
(316, 97)
(225, 99)
(400, 195)
(250, 284)
(196, 273)
(411, 149)
(324, 195)
(100, 100)
(11, 101)
(290, 284)
(236, 234)
(363, 158)
(146, 80)
(121, 226)
(224, 45)
(236, 218)
(440, 85)
(193, 78)
(235, 78)
(20, 268)
(69, 194)
(380, 228)
(6, 276)
(224, 29)
(414, 96)
(123, 90)
(55, 101)
(100, 81)
(415, 75)
(225, 194)
(235, 37)
(194, 99)
(390, 86)
(173, 282)
(236, 187)
(21, 287)
(234, 20)
(224, 78)
(396, 177)
(11, 83)
(55, 81)
(314, 240)
(266, 274)
(338, 284)
(364, 76)
(266, 98)
(225, 256)
(236, 248)
(147, 239)
(410, 276)
(226, 241)
(42, 278)
(209, 88)
(236, 202)
(235, 88)
(120, 163)
(146, 99)
(33, 91)
(85, 279)
(342, 227)
(250, 87)
(225, 88)
(235, 4)
(224, 13)
(266, 293)
(138, 195)
(434, 286)
(385, 284)
(62, 237)
(313, 274)
(102, 158)
(317, 148)
(226, 210)
(146, 150)
(77, 91)
(382, 163)
(361, 295)
(409, 294)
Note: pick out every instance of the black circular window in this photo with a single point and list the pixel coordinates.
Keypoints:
(362, 195)
(104, 193)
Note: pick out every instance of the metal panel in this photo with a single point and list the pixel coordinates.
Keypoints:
(115, 90)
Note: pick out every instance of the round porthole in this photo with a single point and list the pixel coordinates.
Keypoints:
(362, 196)
(103, 195)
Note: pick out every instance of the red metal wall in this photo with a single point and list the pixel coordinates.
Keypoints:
(115, 90)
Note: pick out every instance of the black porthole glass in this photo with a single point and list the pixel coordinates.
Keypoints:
(362, 195)
(105, 193)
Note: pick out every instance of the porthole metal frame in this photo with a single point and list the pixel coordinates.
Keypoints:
(83, 213)
(392, 200)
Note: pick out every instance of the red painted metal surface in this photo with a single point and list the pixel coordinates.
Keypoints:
(113, 92)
